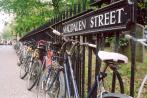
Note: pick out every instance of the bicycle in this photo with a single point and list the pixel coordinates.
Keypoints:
(35, 65)
(26, 59)
(38, 64)
(48, 75)
(19, 47)
(110, 61)
(142, 41)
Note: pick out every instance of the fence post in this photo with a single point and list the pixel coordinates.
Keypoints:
(116, 47)
(83, 69)
(71, 11)
(75, 9)
(89, 65)
(84, 5)
(133, 62)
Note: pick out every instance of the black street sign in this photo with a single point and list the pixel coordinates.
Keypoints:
(113, 17)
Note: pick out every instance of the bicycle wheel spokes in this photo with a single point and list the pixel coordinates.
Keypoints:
(52, 84)
(41, 90)
(23, 72)
(55, 87)
(53, 93)
(42, 85)
(33, 75)
(24, 68)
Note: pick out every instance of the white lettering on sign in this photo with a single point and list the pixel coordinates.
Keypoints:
(104, 19)
(119, 14)
(76, 26)
(101, 20)
(108, 18)
(112, 17)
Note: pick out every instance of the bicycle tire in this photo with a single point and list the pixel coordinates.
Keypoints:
(22, 75)
(41, 84)
(20, 60)
(34, 65)
(121, 84)
(141, 87)
(23, 68)
(61, 90)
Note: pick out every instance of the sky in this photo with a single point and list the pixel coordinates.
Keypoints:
(4, 17)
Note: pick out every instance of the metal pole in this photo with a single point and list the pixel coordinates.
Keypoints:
(115, 50)
(133, 64)
(133, 49)
(83, 69)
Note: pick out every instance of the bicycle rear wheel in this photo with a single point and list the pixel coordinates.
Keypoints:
(119, 85)
(33, 74)
(142, 93)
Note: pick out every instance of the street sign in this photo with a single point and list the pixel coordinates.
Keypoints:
(113, 17)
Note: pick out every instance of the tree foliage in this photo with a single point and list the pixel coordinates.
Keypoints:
(6, 35)
(30, 14)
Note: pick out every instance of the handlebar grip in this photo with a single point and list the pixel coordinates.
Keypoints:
(128, 36)
(92, 45)
(56, 32)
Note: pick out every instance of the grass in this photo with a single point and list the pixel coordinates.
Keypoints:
(140, 71)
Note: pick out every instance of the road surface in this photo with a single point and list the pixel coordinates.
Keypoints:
(11, 86)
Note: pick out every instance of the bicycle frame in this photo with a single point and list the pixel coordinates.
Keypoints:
(67, 62)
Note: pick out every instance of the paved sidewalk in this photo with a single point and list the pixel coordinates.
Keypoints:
(11, 86)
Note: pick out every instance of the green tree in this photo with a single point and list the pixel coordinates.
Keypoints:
(32, 13)
(6, 35)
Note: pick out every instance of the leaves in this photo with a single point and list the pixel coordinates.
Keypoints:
(32, 13)
(29, 13)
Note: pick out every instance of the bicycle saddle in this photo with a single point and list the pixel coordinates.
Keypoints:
(111, 56)
(114, 95)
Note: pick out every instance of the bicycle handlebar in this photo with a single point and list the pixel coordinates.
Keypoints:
(60, 34)
(88, 44)
(141, 41)
(56, 32)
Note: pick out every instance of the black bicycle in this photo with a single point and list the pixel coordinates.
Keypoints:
(111, 62)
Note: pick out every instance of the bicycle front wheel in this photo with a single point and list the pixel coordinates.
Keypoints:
(56, 86)
(42, 83)
(24, 68)
(142, 93)
(33, 74)
(23, 72)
